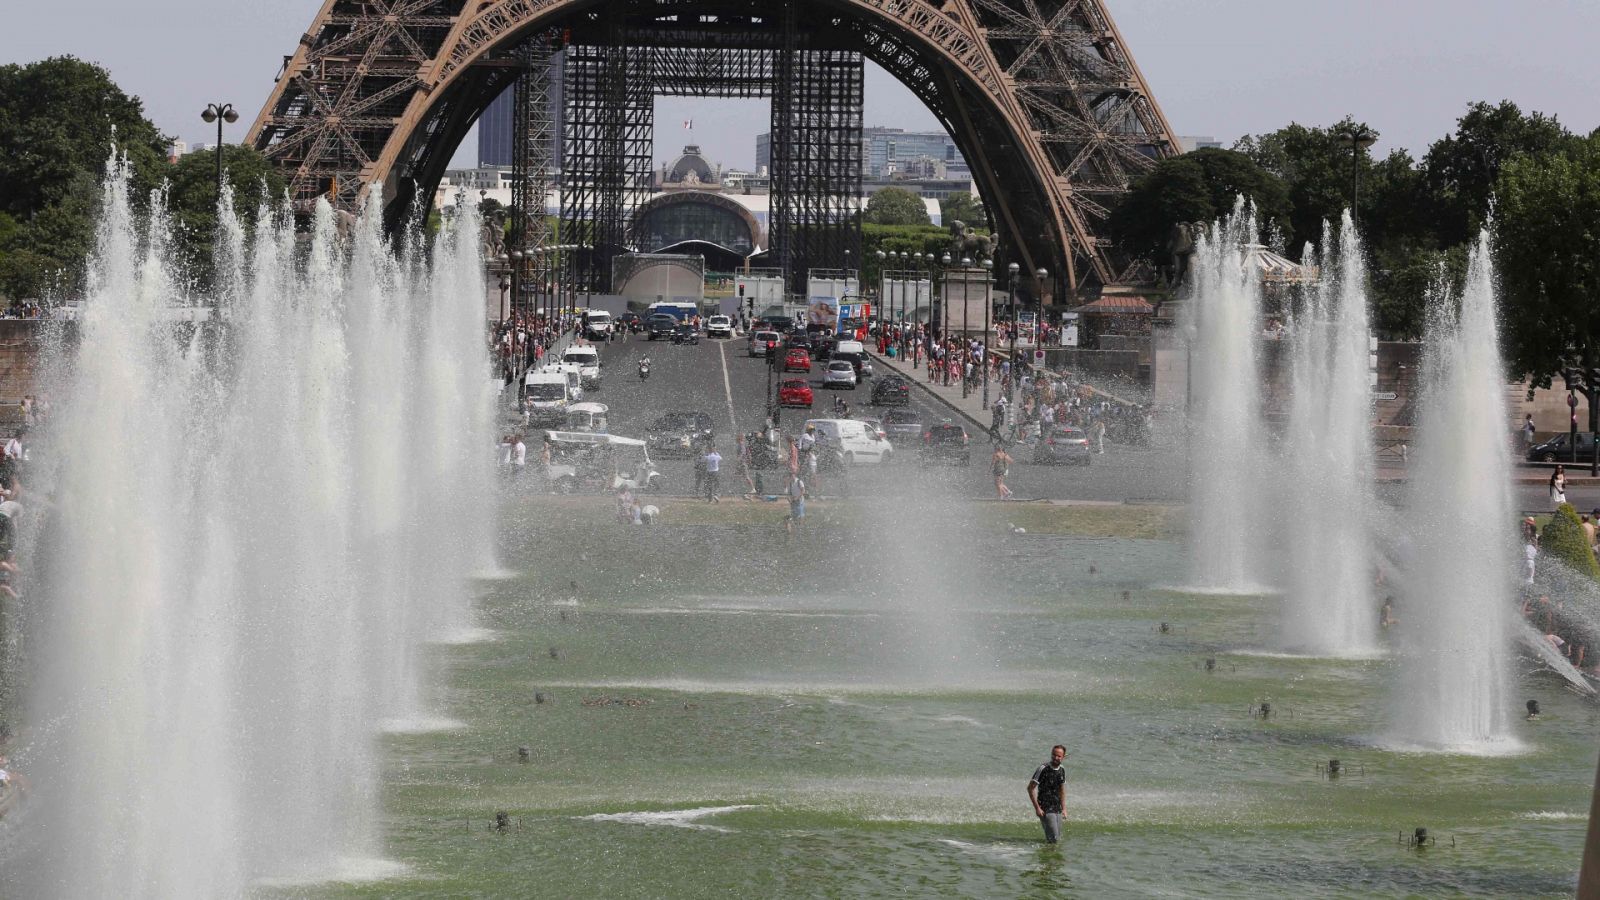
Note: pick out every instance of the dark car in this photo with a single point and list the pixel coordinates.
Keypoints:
(678, 434)
(945, 442)
(660, 325)
(780, 324)
(902, 426)
(1558, 450)
(891, 390)
(797, 340)
(684, 333)
(1062, 445)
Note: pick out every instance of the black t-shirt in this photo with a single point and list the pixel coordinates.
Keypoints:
(1050, 782)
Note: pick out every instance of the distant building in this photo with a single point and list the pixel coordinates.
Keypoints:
(175, 150)
(1189, 143)
(890, 151)
(495, 124)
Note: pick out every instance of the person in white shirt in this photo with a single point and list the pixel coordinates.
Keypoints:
(713, 461)
(14, 447)
(519, 456)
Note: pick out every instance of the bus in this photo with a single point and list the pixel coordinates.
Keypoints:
(679, 309)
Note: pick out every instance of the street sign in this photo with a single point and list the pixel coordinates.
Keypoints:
(1038, 357)
(1384, 395)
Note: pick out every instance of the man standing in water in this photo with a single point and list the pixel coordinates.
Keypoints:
(1047, 792)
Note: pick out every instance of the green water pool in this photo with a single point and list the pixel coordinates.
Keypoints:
(854, 712)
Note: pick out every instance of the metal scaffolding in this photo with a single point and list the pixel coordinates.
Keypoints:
(606, 151)
(533, 129)
(816, 155)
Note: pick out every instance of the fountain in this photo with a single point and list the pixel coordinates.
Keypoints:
(1226, 483)
(1454, 674)
(1328, 554)
(250, 542)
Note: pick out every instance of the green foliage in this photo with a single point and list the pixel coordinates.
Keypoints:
(1462, 169)
(59, 119)
(896, 206)
(1548, 242)
(1563, 539)
(1317, 169)
(899, 239)
(963, 208)
(192, 198)
(1196, 187)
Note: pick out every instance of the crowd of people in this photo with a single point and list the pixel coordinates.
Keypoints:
(1561, 627)
(522, 341)
(13, 461)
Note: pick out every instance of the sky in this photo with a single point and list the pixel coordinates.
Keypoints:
(1408, 68)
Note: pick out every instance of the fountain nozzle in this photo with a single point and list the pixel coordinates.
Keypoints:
(1211, 664)
(1333, 768)
(524, 754)
(1533, 709)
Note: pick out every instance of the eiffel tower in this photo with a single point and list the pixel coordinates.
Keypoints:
(1042, 97)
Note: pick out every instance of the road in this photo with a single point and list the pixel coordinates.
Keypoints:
(719, 378)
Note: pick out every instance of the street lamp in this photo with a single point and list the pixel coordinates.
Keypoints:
(219, 113)
(944, 314)
(1011, 294)
(1358, 139)
(1040, 273)
(988, 306)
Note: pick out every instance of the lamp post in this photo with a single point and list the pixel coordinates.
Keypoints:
(1041, 274)
(944, 313)
(988, 306)
(966, 342)
(1358, 139)
(1011, 293)
(219, 113)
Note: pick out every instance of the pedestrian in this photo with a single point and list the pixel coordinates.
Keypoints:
(999, 465)
(997, 419)
(519, 457)
(713, 461)
(1099, 432)
(1558, 484)
(1530, 551)
(1047, 792)
(797, 503)
(1527, 431)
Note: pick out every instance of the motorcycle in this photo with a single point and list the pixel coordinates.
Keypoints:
(841, 407)
(644, 369)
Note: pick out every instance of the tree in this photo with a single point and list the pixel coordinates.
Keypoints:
(1461, 169)
(1547, 241)
(192, 198)
(1195, 187)
(60, 117)
(1563, 539)
(896, 206)
(59, 120)
(1316, 167)
(963, 207)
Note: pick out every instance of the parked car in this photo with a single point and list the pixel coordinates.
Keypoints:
(719, 326)
(660, 325)
(945, 442)
(855, 442)
(840, 374)
(679, 433)
(797, 361)
(1558, 450)
(902, 425)
(891, 389)
(1062, 444)
(762, 341)
(794, 392)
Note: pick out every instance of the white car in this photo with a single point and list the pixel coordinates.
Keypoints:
(587, 361)
(855, 441)
(719, 326)
(840, 374)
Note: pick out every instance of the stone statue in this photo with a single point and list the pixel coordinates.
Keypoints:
(493, 234)
(963, 243)
(1180, 247)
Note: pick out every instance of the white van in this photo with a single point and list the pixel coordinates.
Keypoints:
(597, 325)
(857, 354)
(546, 396)
(587, 360)
(858, 442)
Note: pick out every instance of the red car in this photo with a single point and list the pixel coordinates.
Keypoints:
(797, 360)
(794, 392)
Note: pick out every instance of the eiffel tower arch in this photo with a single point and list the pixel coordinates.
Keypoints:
(1042, 97)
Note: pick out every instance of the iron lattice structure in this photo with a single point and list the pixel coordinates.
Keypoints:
(816, 155)
(606, 150)
(1043, 97)
(533, 129)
